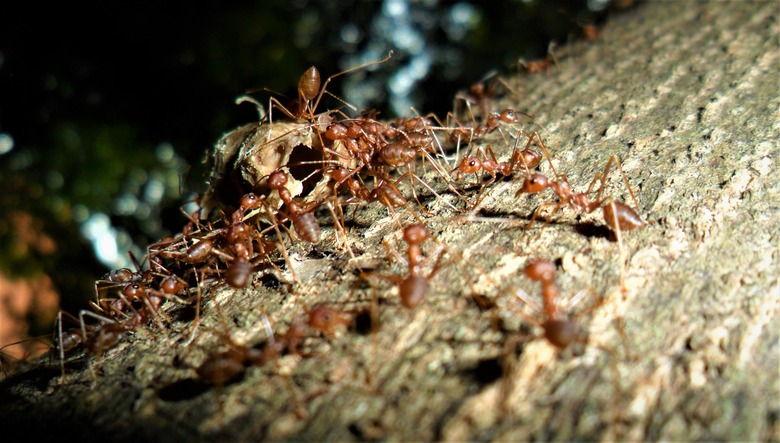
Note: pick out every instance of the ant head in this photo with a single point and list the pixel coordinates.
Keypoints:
(250, 201)
(535, 183)
(172, 285)
(133, 290)
(469, 164)
(277, 179)
(325, 318)
(415, 234)
(336, 131)
(508, 116)
(540, 270)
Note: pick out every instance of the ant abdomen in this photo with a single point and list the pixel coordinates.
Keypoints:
(198, 252)
(561, 333)
(627, 218)
(397, 154)
(69, 341)
(412, 290)
(533, 184)
(222, 368)
(309, 83)
(238, 274)
(307, 227)
(387, 195)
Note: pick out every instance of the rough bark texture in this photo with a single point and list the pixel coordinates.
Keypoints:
(686, 96)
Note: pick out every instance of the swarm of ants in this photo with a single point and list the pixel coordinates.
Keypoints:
(263, 199)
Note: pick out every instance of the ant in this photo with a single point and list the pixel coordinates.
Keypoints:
(303, 221)
(413, 288)
(223, 367)
(96, 338)
(558, 331)
(479, 94)
(310, 93)
(541, 65)
(527, 158)
(617, 215)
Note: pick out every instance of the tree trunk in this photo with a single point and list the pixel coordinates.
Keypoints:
(680, 343)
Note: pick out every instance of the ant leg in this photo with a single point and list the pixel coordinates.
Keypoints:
(557, 206)
(274, 103)
(62, 347)
(525, 298)
(620, 246)
(442, 172)
(198, 299)
(346, 71)
(544, 149)
(283, 249)
(625, 180)
(338, 224)
(391, 252)
(412, 177)
(551, 52)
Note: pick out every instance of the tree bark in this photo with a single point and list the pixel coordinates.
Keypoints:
(680, 342)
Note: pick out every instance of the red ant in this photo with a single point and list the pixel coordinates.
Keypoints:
(96, 338)
(225, 366)
(310, 93)
(541, 65)
(559, 332)
(413, 288)
(304, 222)
(479, 94)
(527, 158)
(618, 216)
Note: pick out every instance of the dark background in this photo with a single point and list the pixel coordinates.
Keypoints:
(106, 112)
